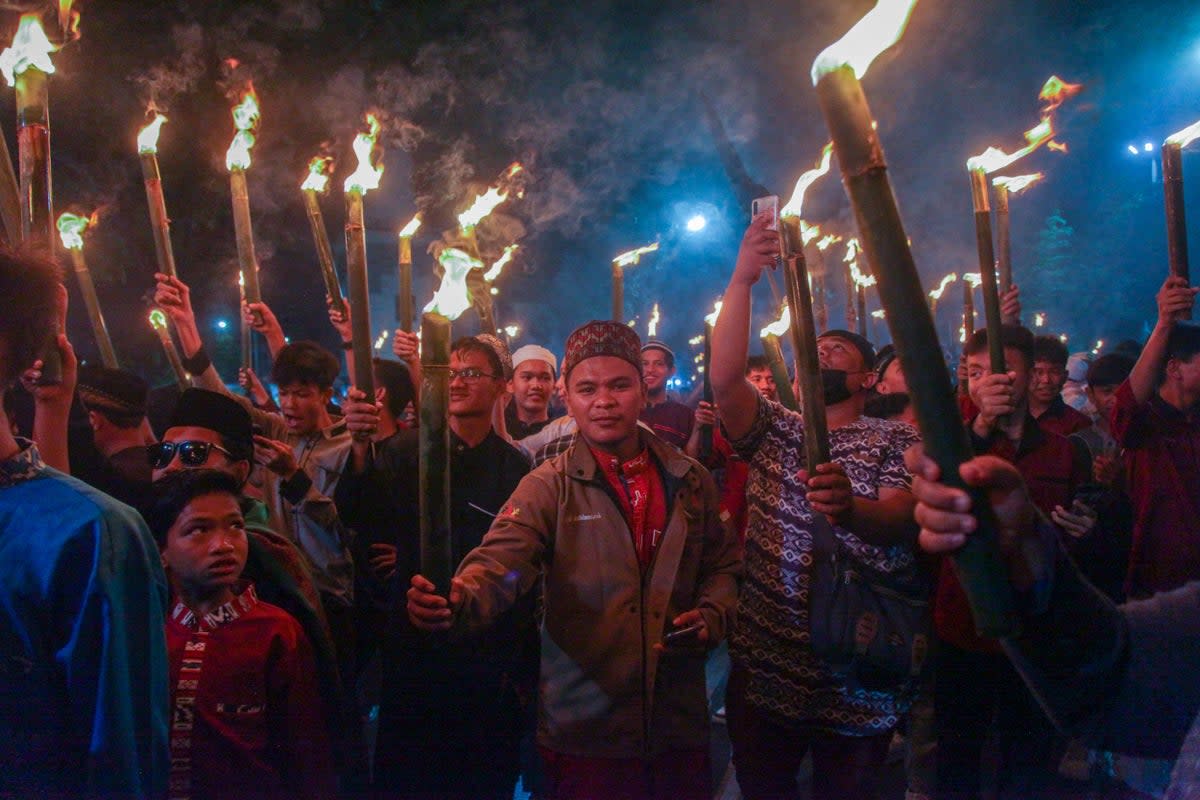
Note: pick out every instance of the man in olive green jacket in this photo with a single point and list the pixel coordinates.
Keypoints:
(624, 531)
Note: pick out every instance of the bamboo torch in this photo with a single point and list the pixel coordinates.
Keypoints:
(160, 223)
(448, 303)
(820, 309)
(706, 431)
(245, 340)
(627, 259)
(936, 294)
(237, 161)
(315, 183)
(1006, 187)
(404, 291)
(158, 321)
(27, 67)
(836, 74)
(773, 350)
(852, 321)
(804, 346)
(363, 179)
(1172, 164)
(70, 230)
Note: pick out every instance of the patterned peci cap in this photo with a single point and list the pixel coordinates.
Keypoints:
(602, 338)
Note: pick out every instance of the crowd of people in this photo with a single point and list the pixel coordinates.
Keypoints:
(221, 594)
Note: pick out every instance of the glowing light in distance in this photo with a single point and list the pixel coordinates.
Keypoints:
(696, 223)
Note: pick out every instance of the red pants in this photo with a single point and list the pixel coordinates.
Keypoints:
(683, 775)
(767, 755)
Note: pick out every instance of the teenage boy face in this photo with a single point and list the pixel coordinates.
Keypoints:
(216, 459)
(1104, 398)
(764, 381)
(470, 397)
(303, 406)
(206, 546)
(1046, 381)
(979, 364)
(532, 383)
(656, 370)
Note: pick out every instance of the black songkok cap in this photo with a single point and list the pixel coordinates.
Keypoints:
(200, 408)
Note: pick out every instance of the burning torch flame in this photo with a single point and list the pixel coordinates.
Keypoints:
(30, 50)
(367, 176)
(880, 314)
(410, 229)
(860, 279)
(780, 326)
(1039, 320)
(71, 228)
(696, 340)
(452, 297)
(711, 319)
(795, 206)
(652, 325)
(1186, 136)
(317, 179)
(1018, 183)
(827, 240)
(973, 278)
(634, 256)
(878, 30)
(498, 267)
(512, 330)
(158, 320)
(147, 139)
(936, 294)
(808, 233)
(1054, 92)
(484, 204)
(245, 120)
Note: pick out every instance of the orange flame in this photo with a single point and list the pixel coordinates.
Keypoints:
(795, 206)
(632, 257)
(780, 326)
(711, 319)
(878, 30)
(973, 278)
(827, 240)
(245, 120)
(880, 314)
(317, 179)
(808, 232)
(1018, 183)
(71, 228)
(30, 50)
(147, 138)
(1053, 93)
(367, 176)
(494, 272)
(410, 229)
(452, 297)
(487, 202)
(1186, 136)
(652, 324)
(936, 294)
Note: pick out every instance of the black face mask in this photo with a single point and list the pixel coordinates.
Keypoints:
(833, 384)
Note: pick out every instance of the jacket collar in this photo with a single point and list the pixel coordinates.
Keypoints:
(581, 464)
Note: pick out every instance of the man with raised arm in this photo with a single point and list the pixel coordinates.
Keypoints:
(783, 700)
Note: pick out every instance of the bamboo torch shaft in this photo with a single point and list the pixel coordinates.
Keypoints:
(1177, 247)
(864, 172)
(172, 354)
(88, 289)
(987, 269)
(618, 292)
(404, 295)
(804, 348)
(360, 300)
(245, 234)
(10, 195)
(160, 223)
(437, 550)
(773, 350)
(324, 252)
(1003, 239)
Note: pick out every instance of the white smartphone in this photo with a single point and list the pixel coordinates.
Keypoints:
(767, 205)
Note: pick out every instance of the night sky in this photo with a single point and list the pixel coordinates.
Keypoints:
(603, 103)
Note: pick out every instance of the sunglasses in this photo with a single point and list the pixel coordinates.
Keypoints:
(191, 453)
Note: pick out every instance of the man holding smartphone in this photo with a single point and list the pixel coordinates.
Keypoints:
(625, 534)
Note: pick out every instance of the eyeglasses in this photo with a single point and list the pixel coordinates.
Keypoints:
(471, 374)
(191, 452)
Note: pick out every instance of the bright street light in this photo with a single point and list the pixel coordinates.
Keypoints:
(696, 223)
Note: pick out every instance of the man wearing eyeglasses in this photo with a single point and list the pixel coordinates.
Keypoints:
(450, 722)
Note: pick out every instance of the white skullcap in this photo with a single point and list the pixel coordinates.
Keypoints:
(533, 352)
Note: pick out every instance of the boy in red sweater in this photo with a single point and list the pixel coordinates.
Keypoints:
(246, 716)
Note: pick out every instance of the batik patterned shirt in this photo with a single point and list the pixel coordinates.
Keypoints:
(770, 639)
